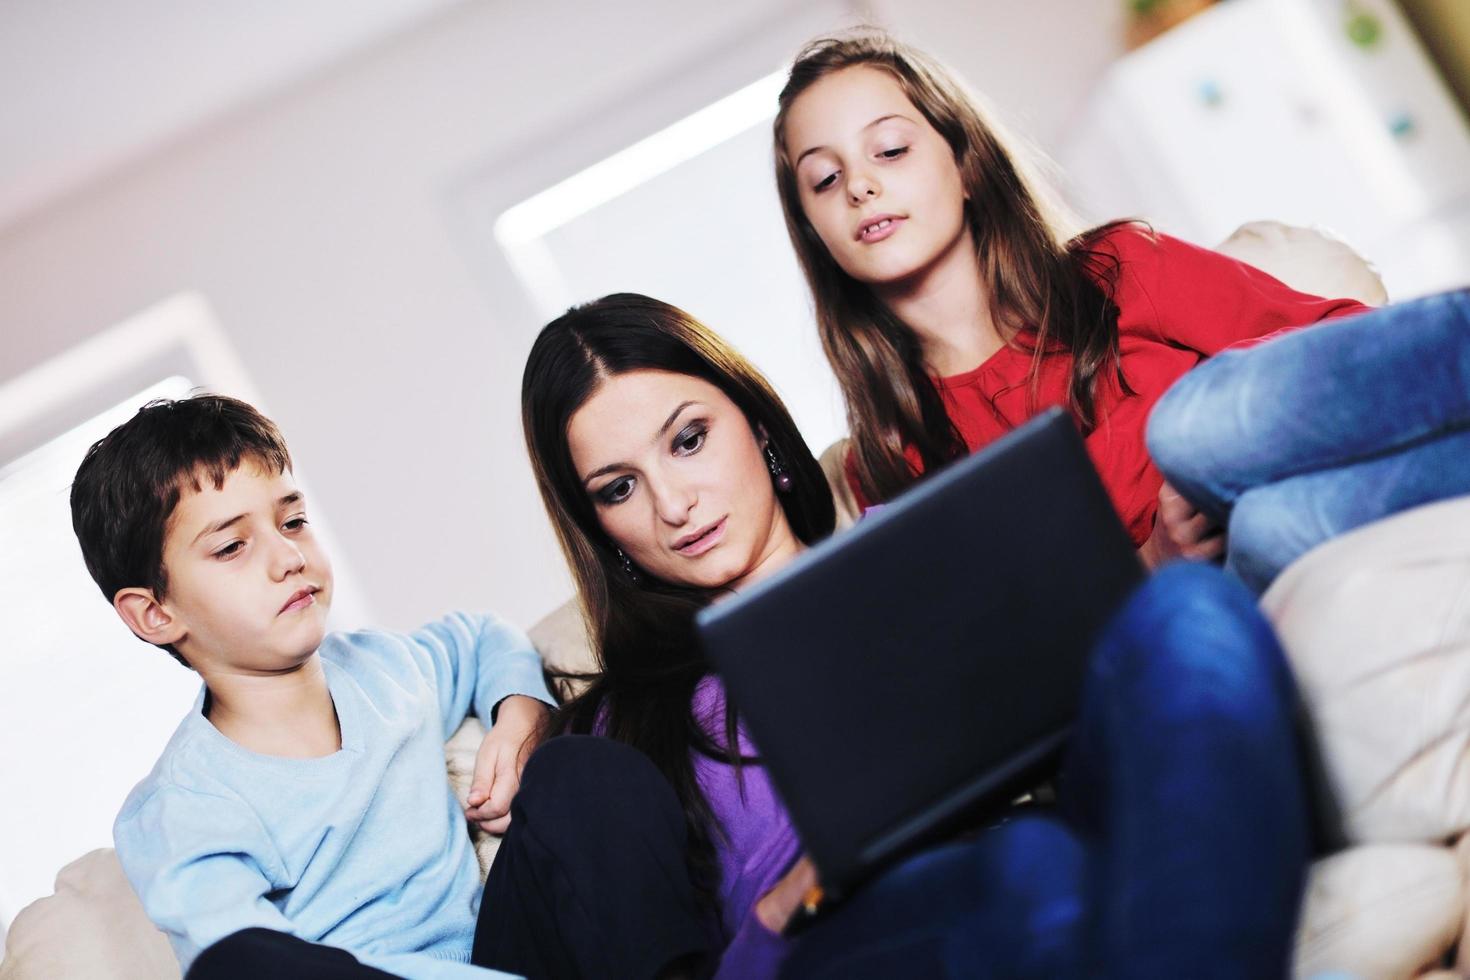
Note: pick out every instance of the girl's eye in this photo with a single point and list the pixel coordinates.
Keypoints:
(894, 153)
(690, 441)
(230, 550)
(825, 182)
(617, 491)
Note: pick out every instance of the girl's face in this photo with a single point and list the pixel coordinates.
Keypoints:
(678, 480)
(878, 183)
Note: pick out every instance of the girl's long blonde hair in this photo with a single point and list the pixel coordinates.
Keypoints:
(1049, 293)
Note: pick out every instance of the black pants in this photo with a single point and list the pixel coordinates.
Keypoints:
(590, 882)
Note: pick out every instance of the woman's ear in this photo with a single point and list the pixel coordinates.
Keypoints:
(147, 617)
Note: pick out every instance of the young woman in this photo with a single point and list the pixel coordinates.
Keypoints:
(953, 303)
(674, 476)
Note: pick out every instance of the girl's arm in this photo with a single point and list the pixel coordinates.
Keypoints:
(1195, 298)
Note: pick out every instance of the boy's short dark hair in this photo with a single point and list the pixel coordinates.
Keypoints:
(131, 479)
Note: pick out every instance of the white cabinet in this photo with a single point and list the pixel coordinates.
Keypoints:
(1313, 112)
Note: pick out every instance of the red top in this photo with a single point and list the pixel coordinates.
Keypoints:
(1178, 304)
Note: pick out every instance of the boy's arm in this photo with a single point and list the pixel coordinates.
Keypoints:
(202, 867)
(485, 662)
(477, 662)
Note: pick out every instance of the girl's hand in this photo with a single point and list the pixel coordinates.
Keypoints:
(777, 906)
(520, 725)
(1181, 531)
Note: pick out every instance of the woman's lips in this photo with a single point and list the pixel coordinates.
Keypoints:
(879, 229)
(702, 541)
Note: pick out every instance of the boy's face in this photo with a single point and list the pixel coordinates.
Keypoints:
(248, 582)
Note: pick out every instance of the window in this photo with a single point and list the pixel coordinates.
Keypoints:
(87, 707)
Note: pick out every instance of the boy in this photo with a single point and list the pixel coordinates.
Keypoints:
(305, 793)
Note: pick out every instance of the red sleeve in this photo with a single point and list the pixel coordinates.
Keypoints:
(1195, 298)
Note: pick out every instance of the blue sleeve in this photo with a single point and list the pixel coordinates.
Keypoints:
(204, 867)
(201, 865)
(477, 662)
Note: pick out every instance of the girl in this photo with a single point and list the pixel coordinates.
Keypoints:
(674, 476)
(953, 304)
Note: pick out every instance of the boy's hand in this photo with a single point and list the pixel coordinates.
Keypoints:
(520, 725)
(1180, 531)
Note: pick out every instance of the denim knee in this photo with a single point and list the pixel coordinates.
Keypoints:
(1190, 643)
(1188, 430)
(1266, 533)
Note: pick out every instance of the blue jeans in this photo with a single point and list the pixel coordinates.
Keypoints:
(1322, 430)
(1182, 843)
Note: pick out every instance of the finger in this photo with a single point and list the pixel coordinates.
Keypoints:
(486, 764)
(1173, 511)
(1185, 534)
(507, 781)
(1197, 528)
(1209, 548)
(498, 826)
(489, 810)
(1168, 495)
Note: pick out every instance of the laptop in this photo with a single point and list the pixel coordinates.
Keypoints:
(906, 678)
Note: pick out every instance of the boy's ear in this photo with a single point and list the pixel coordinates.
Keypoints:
(149, 620)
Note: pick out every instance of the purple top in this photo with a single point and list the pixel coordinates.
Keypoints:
(759, 848)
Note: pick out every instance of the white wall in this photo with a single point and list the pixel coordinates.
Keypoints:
(320, 225)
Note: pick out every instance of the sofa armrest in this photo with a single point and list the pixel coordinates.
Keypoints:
(92, 926)
(1308, 260)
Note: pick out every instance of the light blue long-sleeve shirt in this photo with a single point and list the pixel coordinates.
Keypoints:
(365, 849)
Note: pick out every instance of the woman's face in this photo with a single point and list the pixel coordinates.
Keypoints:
(878, 183)
(678, 480)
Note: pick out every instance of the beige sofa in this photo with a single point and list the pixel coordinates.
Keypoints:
(1394, 735)
(1377, 627)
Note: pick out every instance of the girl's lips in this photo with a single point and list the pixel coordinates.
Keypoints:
(880, 229)
(704, 541)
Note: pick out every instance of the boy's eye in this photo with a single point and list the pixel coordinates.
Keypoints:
(617, 491)
(690, 441)
(229, 550)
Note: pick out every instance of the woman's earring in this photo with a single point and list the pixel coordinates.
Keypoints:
(779, 476)
(628, 568)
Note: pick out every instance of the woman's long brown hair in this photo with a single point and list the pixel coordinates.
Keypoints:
(642, 630)
(1049, 292)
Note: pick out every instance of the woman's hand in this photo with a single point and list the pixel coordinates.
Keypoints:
(520, 725)
(776, 907)
(1180, 531)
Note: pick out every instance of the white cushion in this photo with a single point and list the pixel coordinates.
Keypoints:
(1380, 911)
(1376, 624)
(1306, 259)
(93, 926)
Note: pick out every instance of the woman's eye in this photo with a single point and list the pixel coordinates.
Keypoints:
(690, 441)
(617, 491)
(230, 550)
(295, 524)
(894, 153)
